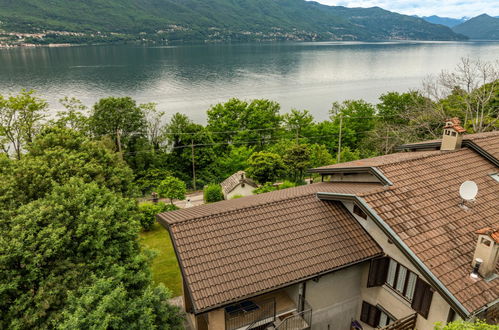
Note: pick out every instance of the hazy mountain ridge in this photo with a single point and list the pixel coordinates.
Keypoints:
(447, 21)
(218, 20)
(483, 27)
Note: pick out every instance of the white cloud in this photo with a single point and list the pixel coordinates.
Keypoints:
(446, 8)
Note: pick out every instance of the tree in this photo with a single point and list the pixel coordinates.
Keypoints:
(57, 155)
(356, 118)
(319, 156)
(58, 243)
(298, 122)
(119, 118)
(265, 167)
(474, 83)
(154, 120)
(239, 121)
(236, 159)
(107, 304)
(20, 118)
(463, 325)
(172, 188)
(297, 160)
(75, 116)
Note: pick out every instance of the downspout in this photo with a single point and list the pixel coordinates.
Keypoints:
(461, 310)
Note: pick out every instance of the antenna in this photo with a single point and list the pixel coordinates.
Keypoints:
(468, 190)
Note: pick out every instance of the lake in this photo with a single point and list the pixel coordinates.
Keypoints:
(190, 78)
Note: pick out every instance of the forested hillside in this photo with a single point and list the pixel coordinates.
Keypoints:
(483, 27)
(218, 20)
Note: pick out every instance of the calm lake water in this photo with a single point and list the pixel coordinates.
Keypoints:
(189, 79)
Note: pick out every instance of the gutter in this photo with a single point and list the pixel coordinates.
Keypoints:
(446, 294)
(374, 171)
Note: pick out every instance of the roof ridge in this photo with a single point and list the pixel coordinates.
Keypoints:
(443, 152)
(250, 207)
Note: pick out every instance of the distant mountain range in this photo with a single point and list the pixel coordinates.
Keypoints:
(483, 27)
(215, 20)
(447, 21)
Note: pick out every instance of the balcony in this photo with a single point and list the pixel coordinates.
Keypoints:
(272, 311)
(405, 323)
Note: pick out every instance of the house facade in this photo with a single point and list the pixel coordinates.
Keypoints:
(385, 242)
(238, 184)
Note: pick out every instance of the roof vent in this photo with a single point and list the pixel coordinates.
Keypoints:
(474, 274)
(453, 134)
(486, 252)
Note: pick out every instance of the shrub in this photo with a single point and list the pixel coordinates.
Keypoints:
(265, 188)
(213, 193)
(149, 210)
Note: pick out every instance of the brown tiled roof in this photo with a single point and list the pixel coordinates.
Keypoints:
(422, 207)
(232, 181)
(483, 138)
(487, 141)
(382, 160)
(207, 210)
(491, 232)
(229, 253)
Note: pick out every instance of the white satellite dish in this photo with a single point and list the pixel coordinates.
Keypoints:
(468, 190)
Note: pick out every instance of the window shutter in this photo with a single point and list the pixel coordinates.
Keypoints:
(378, 271)
(364, 313)
(370, 314)
(422, 298)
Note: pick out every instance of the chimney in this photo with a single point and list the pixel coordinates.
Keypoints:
(453, 134)
(486, 251)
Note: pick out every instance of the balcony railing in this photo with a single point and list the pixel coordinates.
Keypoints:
(406, 323)
(298, 321)
(250, 315)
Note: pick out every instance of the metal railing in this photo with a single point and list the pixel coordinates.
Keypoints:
(405, 323)
(298, 321)
(244, 320)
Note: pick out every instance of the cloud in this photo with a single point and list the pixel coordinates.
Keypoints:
(446, 8)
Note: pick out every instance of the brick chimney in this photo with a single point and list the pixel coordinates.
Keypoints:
(487, 250)
(453, 134)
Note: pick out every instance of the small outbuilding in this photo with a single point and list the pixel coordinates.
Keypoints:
(238, 184)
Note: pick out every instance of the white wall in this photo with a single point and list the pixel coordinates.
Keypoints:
(335, 299)
(385, 296)
(247, 190)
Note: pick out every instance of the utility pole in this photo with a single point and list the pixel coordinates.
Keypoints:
(193, 165)
(118, 141)
(339, 138)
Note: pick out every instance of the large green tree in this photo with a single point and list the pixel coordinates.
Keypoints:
(265, 167)
(236, 121)
(54, 157)
(297, 160)
(20, 120)
(118, 118)
(56, 245)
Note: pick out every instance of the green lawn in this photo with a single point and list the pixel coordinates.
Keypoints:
(164, 267)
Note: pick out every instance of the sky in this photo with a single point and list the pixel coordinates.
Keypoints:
(444, 8)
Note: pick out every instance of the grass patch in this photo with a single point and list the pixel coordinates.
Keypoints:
(164, 266)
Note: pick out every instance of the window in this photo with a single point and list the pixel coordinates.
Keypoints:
(401, 279)
(495, 176)
(358, 211)
(406, 283)
(375, 316)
